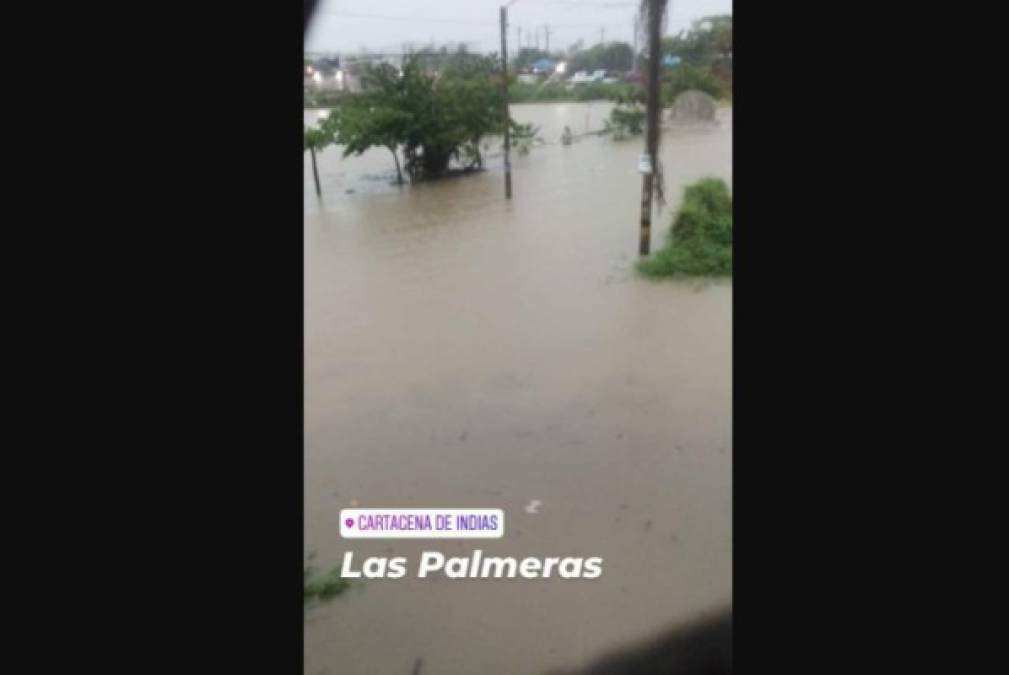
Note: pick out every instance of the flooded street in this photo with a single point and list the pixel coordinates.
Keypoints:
(465, 351)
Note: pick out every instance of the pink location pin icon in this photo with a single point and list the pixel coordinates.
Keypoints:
(349, 522)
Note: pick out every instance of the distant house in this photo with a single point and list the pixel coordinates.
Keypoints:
(325, 73)
(327, 65)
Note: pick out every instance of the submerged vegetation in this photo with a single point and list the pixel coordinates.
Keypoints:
(323, 99)
(523, 136)
(626, 119)
(316, 140)
(432, 118)
(323, 587)
(700, 241)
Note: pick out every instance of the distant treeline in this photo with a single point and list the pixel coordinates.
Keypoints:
(702, 60)
(519, 92)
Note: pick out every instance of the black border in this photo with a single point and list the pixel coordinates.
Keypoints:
(186, 224)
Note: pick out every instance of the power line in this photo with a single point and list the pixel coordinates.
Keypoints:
(383, 17)
(386, 17)
(589, 5)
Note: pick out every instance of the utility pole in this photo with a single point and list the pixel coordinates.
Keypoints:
(634, 60)
(504, 91)
(546, 33)
(315, 171)
(518, 39)
(656, 8)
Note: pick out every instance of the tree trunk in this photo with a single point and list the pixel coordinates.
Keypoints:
(315, 173)
(399, 174)
(434, 160)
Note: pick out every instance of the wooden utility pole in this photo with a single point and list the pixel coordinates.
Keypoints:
(315, 172)
(504, 91)
(546, 34)
(655, 11)
(634, 60)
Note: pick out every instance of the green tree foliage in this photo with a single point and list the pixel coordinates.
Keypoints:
(373, 118)
(316, 140)
(434, 60)
(323, 587)
(617, 56)
(708, 40)
(626, 119)
(433, 116)
(523, 136)
(685, 76)
(700, 242)
(528, 56)
(705, 51)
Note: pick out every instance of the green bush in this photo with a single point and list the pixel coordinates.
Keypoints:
(625, 120)
(324, 587)
(700, 242)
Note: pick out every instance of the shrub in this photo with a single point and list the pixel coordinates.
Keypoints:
(324, 587)
(700, 241)
(625, 120)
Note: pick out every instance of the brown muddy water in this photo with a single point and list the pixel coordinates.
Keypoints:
(464, 351)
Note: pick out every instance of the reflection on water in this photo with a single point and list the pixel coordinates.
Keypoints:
(462, 350)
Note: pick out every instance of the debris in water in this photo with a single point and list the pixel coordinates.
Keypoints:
(416, 666)
(533, 506)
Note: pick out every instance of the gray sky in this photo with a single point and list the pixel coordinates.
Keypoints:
(385, 25)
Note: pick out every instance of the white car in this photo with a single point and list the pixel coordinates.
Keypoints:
(583, 77)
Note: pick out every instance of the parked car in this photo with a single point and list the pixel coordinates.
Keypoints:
(584, 77)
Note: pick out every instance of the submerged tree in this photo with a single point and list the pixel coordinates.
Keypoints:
(316, 139)
(373, 118)
(433, 116)
(523, 136)
(626, 119)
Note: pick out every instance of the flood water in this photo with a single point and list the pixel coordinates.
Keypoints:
(466, 351)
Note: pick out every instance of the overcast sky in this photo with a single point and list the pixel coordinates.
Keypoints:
(385, 25)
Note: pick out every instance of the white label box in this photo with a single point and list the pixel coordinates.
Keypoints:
(422, 523)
